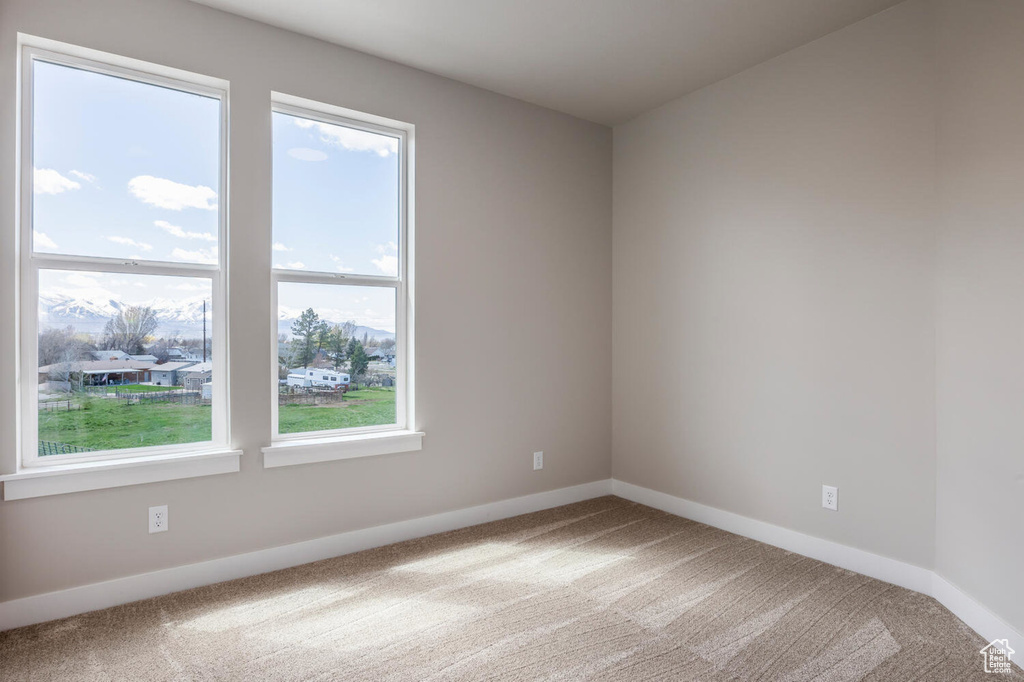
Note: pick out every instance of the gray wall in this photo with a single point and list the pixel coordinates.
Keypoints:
(513, 213)
(829, 250)
(773, 241)
(980, 325)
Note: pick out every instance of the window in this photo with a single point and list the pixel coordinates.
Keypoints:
(340, 271)
(122, 278)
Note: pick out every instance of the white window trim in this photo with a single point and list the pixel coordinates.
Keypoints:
(74, 477)
(57, 474)
(320, 446)
(310, 450)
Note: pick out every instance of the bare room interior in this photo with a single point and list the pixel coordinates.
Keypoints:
(456, 340)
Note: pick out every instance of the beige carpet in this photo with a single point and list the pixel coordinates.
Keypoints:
(604, 589)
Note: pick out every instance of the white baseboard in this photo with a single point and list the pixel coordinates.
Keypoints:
(52, 605)
(987, 624)
(70, 602)
(922, 580)
(873, 565)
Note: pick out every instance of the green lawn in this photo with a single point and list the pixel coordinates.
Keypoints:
(106, 423)
(364, 407)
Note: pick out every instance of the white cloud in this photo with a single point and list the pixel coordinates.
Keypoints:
(306, 154)
(341, 264)
(208, 256)
(49, 181)
(77, 279)
(351, 139)
(41, 239)
(164, 193)
(127, 241)
(297, 265)
(387, 265)
(88, 177)
(278, 246)
(78, 285)
(176, 231)
(388, 261)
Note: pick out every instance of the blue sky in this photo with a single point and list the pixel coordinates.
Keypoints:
(123, 169)
(129, 170)
(335, 198)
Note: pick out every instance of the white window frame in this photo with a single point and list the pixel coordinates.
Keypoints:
(30, 264)
(312, 446)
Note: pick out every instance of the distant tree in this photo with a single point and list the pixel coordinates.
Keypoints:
(161, 347)
(128, 330)
(357, 360)
(351, 346)
(323, 336)
(283, 353)
(337, 340)
(60, 348)
(305, 329)
(60, 345)
(350, 328)
(387, 344)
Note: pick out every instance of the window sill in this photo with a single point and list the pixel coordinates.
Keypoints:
(308, 451)
(70, 478)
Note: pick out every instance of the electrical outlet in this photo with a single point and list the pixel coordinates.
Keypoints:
(830, 497)
(538, 460)
(158, 519)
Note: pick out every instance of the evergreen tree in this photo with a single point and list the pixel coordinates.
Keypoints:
(357, 360)
(323, 336)
(336, 341)
(305, 330)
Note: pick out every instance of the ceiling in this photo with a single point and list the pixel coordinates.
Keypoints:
(601, 60)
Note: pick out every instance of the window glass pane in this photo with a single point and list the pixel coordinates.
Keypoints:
(337, 357)
(336, 198)
(123, 169)
(124, 361)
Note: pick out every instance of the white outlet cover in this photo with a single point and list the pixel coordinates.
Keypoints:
(538, 460)
(830, 497)
(158, 519)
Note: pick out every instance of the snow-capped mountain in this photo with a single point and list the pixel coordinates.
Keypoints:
(284, 326)
(177, 318)
(182, 319)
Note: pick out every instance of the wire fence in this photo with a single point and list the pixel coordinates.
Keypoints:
(310, 396)
(107, 389)
(179, 397)
(58, 406)
(48, 447)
